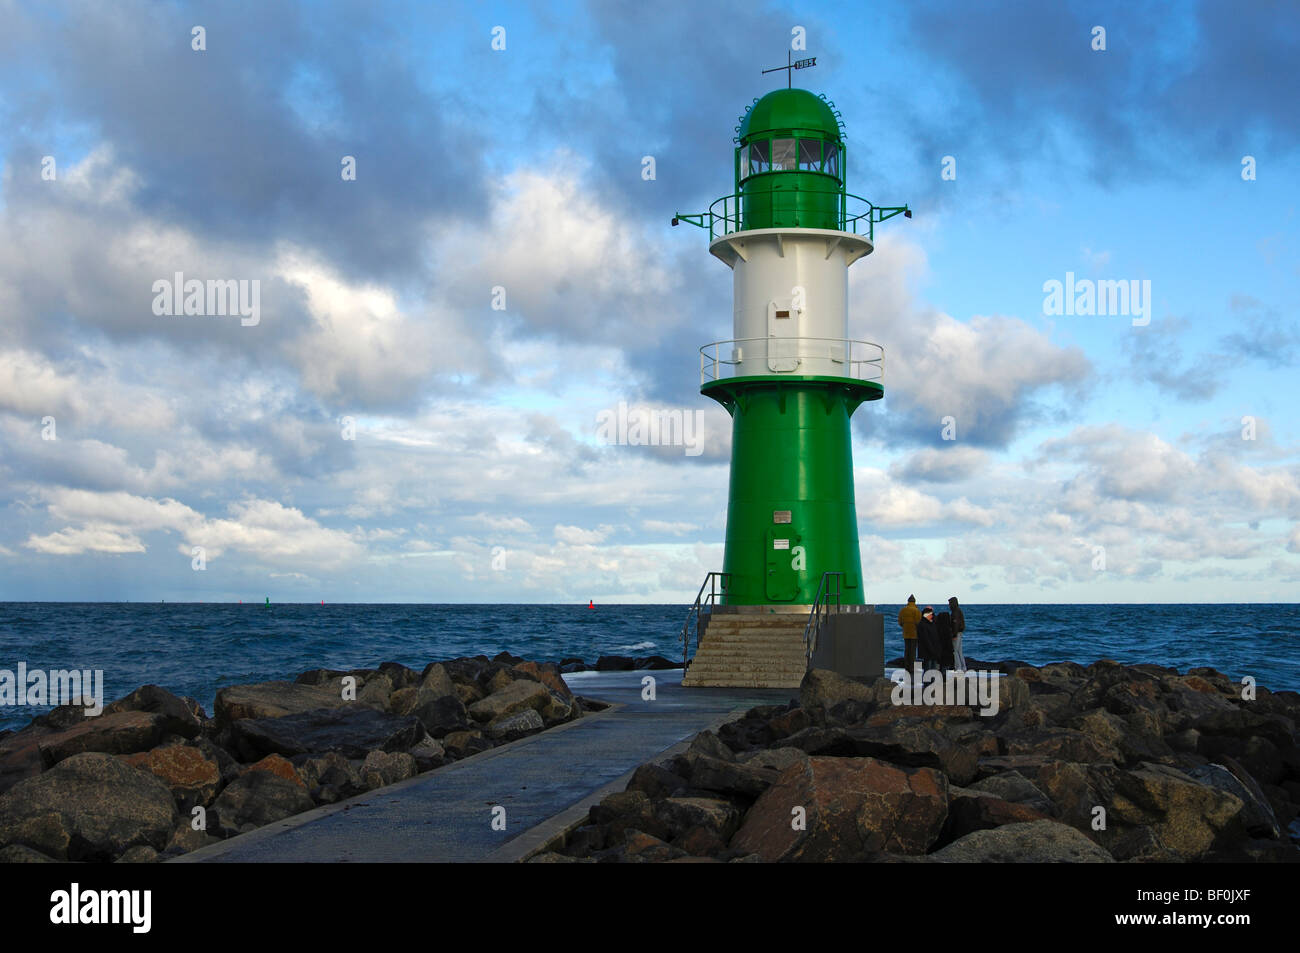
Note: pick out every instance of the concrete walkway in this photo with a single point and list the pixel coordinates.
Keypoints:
(544, 782)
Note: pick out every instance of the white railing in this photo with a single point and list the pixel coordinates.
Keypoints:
(833, 357)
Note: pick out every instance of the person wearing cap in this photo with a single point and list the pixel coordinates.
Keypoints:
(927, 639)
(908, 617)
(958, 627)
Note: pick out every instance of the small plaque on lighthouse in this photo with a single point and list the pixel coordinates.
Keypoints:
(780, 544)
(780, 516)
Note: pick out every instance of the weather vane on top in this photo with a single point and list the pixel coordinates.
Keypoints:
(796, 64)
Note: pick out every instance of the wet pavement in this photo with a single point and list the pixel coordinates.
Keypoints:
(447, 815)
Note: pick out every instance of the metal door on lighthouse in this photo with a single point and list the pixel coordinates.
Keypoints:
(782, 337)
(782, 578)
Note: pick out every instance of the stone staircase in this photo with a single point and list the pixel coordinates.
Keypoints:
(750, 650)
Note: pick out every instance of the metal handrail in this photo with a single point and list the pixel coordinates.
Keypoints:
(717, 585)
(821, 610)
(870, 369)
(849, 218)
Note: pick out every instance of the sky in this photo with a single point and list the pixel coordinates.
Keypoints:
(412, 411)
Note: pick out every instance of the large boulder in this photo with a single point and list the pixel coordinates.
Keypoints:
(970, 810)
(1257, 815)
(254, 800)
(183, 716)
(124, 732)
(382, 768)
(193, 778)
(834, 809)
(1060, 744)
(1034, 842)
(1187, 817)
(89, 807)
(353, 732)
(514, 726)
(436, 681)
(330, 777)
(516, 696)
(1014, 787)
(548, 673)
(716, 815)
(623, 811)
(915, 742)
(746, 780)
(20, 755)
(825, 688)
(271, 700)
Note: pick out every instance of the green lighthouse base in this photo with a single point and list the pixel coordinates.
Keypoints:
(791, 514)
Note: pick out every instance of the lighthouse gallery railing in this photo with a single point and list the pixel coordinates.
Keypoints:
(854, 213)
(860, 360)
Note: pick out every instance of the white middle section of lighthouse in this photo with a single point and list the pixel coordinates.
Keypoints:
(791, 300)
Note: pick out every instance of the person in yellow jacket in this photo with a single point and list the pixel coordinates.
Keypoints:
(908, 617)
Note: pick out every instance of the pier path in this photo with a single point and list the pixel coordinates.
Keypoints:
(545, 782)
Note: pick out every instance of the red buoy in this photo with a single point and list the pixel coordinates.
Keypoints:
(591, 604)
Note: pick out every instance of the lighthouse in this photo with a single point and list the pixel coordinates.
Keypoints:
(791, 379)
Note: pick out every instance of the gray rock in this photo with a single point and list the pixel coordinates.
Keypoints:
(440, 715)
(124, 732)
(271, 700)
(709, 744)
(1186, 816)
(353, 732)
(1014, 787)
(139, 854)
(826, 688)
(729, 777)
(428, 754)
(19, 854)
(1258, 814)
(516, 696)
(516, 725)
(778, 758)
(179, 718)
(382, 768)
(1035, 842)
(255, 800)
(89, 807)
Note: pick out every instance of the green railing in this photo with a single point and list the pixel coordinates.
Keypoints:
(855, 214)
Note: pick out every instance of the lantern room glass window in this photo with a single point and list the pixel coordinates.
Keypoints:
(783, 155)
(810, 155)
(831, 160)
(760, 157)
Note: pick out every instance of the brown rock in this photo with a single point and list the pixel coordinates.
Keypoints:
(644, 848)
(271, 700)
(124, 732)
(192, 778)
(1059, 744)
(548, 674)
(517, 695)
(279, 766)
(834, 808)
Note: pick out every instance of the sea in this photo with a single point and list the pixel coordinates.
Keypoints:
(196, 648)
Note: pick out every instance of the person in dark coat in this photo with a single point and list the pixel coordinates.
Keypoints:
(958, 627)
(927, 640)
(943, 624)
